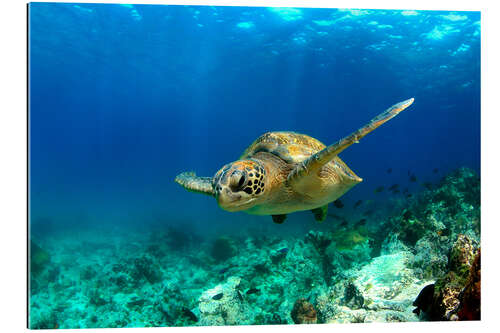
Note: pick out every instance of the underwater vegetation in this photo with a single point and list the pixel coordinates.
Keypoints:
(421, 263)
(39, 259)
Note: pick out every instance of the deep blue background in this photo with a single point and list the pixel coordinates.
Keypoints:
(123, 98)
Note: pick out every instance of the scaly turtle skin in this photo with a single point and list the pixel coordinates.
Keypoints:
(285, 172)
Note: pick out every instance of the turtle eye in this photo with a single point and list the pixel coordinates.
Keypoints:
(242, 181)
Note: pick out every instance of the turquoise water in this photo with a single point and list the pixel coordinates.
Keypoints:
(123, 98)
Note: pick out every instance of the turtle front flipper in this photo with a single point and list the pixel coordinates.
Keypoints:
(193, 183)
(312, 164)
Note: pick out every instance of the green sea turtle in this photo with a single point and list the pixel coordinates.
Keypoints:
(285, 172)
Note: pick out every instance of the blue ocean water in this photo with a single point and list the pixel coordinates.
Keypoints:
(122, 98)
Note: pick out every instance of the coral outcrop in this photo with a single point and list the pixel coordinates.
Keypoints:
(39, 259)
(470, 298)
(223, 304)
(223, 248)
(303, 312)
(456, 295)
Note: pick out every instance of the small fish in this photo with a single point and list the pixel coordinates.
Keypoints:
(413, 178)
(427, 185)
(225, 269)
(283, 250)
(379, 189)
(343, 223)
(409, 195)
(337, 203)
(218, 296)
(436, 170)
(252, 291)
(389, 170)
(396, 191)
(407, 215)
(334, 216)
(188, 313)
(356, 205)
(394, 187)
(368, 212)
(360, 223)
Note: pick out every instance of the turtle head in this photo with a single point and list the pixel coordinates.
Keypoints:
(239, 185)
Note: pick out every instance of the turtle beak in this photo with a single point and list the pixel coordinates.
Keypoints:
(227, 199)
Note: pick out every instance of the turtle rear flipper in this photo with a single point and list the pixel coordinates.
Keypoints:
(193, 183)
(314, 163)
(320, 213)
(279, 219)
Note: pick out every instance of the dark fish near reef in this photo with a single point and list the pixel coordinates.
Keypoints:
(436, 170)
(360, 223)
(218, 296)
(407, 215)
(283, 250)
(394, 187)
(424, 299)
(335, 216)
(188, 313)
(344, 223)
(225, 269)
(252, 291)
(337, 203)
(389, 170)
(356, 205)
(427, 185)
(396, 191)
(413, 178)
(409, 195)
(368, 213)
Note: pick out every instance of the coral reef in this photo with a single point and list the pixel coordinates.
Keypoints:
(354, 273)
(456, 295)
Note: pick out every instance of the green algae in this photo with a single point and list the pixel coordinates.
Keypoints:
(348, 239)
(39, 259)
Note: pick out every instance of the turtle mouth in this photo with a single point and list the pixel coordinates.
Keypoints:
(225, 197)
(231, 202)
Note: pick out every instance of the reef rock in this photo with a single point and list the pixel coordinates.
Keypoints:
(470, 300)
(303, 312)
(381, 291)
(223, 305)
